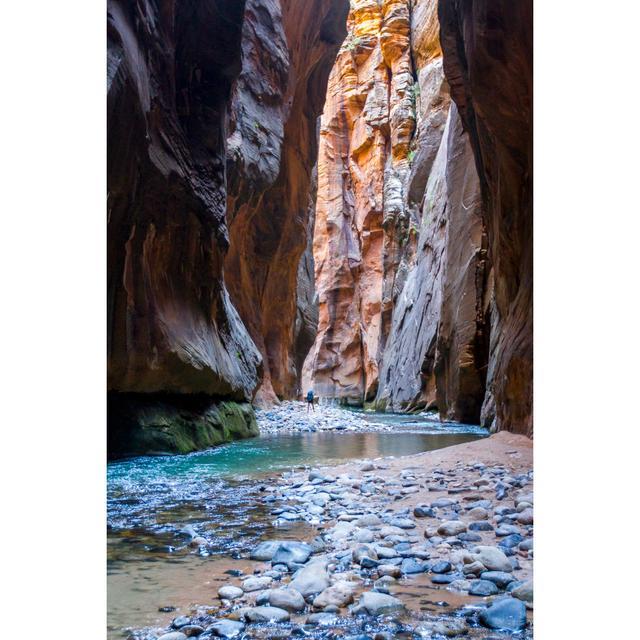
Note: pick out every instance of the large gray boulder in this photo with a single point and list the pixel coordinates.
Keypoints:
(377, 604)
(311, 579)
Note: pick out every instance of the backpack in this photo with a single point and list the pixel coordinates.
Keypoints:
(309, 396)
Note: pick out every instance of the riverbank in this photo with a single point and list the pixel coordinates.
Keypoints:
(292, 416)
(432, 544)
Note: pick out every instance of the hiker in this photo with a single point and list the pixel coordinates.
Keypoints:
(310, 400)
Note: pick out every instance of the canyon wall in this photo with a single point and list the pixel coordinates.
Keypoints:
(423, 279)
(288, 50)
(366, 128)
(212, 109)
(436, 350)
(399, 269)
(488, 61)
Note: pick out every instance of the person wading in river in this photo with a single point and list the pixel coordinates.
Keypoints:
(310, 401)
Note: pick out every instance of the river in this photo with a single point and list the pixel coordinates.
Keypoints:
(217, 492)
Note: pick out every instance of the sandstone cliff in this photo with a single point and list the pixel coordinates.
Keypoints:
(171, 325)
(364, 158)
(201, 94)
(384, 274)
(488, 58)
(424, 281)
(288, 50)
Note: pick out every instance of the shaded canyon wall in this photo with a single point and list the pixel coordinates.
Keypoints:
(488, 58)
(187, 210)
(289, 48)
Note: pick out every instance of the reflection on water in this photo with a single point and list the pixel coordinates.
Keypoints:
(217, 492)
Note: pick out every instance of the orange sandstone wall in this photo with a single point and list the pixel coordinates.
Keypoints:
(364, 158)
(400, 263)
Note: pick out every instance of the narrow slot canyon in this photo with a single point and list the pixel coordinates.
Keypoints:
(320, 196)
(319, 299)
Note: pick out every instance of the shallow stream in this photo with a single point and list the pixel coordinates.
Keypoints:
(217, 492)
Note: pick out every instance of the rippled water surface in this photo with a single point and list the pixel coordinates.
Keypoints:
(217, 492)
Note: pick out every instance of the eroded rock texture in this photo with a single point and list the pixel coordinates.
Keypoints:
(488, 59)
(171, 325)
(288, 50)
(423, 278)
(436, 351)
(384, 221)
(212, 140)
(367, 126)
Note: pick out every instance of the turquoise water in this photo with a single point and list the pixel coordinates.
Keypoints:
(219, 494)
(157, 496)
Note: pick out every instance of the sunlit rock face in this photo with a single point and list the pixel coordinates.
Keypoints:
(366, 130)
(384, 222)
(488, 61)
(288, 49)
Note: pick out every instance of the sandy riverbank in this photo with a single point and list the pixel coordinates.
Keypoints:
(400, 548)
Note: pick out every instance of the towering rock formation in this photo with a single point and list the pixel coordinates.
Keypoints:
(288, 50)
(434, 354)
(488, 57)
(382, 128)
(364, 158)
(424, 281)
(178, 350)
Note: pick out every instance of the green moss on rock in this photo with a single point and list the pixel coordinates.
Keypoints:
(154, 424)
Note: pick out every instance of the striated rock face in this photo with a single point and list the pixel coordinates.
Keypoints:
(288, 49)
(424, 282)
(212, 139)
(436, 350)
(366, 129)
(398, 225)
(488, 60)
(171, 325)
